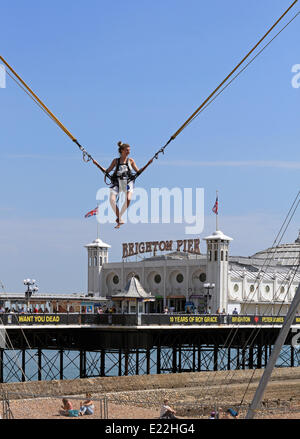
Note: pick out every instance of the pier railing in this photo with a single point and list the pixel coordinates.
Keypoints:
(105, 319)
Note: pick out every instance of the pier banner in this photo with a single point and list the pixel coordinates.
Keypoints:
(109, 319)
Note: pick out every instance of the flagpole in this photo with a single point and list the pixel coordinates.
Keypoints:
(217, 214)
(97, 222)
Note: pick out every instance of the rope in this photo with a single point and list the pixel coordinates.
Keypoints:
(87, 157)
(220, 90)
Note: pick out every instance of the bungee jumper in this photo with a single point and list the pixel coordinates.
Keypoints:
(122, 180)
(124, 165)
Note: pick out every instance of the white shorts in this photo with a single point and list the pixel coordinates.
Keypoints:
(116, 189)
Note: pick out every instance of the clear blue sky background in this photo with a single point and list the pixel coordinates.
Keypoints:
(134, 71)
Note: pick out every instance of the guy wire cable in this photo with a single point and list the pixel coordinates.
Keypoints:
(285, 224)
(278, 314)
(255, 331)
(258, 277)
(253, 335)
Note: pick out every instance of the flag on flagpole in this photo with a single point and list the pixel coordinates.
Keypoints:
(91, 213)
(216, 207)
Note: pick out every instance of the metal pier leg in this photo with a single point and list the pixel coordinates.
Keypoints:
(158, 352)
(174, 362)
(126, 363)
(137, 362)
(199, 358)
(228, 358)
(216, 350)
(102, 364)
(251, 358)
(39, 364)
(194, 358)
(259, 356)
(61, 364)
(243, 358)
(23, 365)
(1, 365)
(120, 362)
(238, 359)
(148, 361)
(82, 365)
(292, 356)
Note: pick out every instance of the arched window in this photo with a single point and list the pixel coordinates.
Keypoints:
(116, 279)
(157, 278)
(179, 278)
(202, 277)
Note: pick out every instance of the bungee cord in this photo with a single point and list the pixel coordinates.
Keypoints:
(216, 92)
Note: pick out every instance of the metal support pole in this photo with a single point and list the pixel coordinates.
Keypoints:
(275, 354)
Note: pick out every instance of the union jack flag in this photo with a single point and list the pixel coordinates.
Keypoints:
(216, 207)
(91, 213)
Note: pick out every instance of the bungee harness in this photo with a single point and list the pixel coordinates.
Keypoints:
(130, 175)
(123, 171)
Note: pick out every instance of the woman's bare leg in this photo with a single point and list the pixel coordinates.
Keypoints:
(125, 206)
(114, 206)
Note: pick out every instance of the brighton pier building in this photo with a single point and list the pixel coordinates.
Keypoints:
(176, 275)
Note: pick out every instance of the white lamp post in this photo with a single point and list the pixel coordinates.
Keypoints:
(208, 286)
(31, 288)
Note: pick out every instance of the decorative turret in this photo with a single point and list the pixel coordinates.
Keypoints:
(217, 269)
(97, 256)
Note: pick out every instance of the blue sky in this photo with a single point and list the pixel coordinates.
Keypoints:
(134, 71)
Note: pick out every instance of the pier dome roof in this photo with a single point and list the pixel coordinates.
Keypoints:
(284, 254)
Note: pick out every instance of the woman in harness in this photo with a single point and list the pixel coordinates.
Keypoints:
(122, 179)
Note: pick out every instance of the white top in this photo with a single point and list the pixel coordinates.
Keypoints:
(164, 409)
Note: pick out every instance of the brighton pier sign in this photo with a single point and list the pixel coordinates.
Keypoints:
(180, 245)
